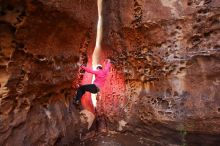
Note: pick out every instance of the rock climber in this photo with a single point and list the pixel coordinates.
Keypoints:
(100, 77)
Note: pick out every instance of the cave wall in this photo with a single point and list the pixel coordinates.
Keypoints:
(40, 45)
(164, 83)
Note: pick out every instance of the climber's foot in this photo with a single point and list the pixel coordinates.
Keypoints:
(77, 102)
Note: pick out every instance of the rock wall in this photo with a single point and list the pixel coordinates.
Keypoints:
(40, 45)
(164, 85)
(162, 88)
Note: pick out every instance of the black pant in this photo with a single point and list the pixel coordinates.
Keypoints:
(92, 88)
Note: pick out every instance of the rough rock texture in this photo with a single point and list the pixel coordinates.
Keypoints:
(163, 88)
(165, 82)
(40, 44)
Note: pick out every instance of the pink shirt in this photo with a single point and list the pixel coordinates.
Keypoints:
(100, 75)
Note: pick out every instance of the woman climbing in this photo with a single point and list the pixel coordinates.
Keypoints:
(100, 77)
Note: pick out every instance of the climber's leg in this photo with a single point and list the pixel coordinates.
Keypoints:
(82, 89)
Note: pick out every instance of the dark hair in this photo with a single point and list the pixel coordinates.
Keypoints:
(98, 67)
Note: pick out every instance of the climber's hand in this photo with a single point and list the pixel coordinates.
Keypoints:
(107, 60)
(82, 65)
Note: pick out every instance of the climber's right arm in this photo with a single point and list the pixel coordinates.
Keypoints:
(89, 70)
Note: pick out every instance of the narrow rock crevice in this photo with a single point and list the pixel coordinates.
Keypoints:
(162, 89)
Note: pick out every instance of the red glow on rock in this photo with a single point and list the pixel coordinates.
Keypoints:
(113, 98)
(86, 100)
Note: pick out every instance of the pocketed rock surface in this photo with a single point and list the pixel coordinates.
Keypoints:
(41, 43)
(163, 87)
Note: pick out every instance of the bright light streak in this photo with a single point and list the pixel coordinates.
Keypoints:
(96, 52)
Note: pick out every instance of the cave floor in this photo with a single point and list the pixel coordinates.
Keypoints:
(128, 139)
(114, 139)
